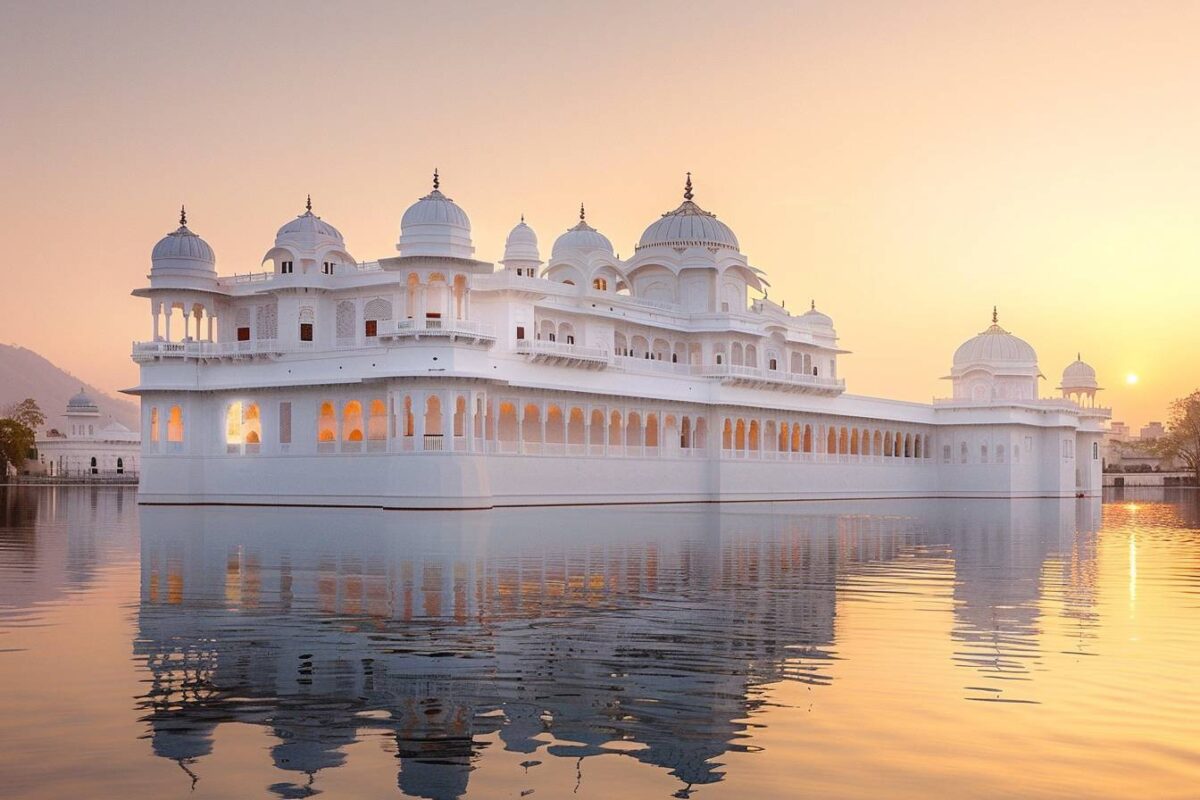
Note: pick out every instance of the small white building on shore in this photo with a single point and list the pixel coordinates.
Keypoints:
(89, 445)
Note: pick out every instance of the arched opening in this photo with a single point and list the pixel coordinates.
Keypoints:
(843, 442)
(153, 424)
(739, 435)
(252, 427)
(700, 434)
(797, 439)
(120, 466)
(352, 422)
(377, 421)
(433, 424)
(831, 442)
(633, 430)
(531, 424)
(854, 441)
(753, 443)
(460, 416)
(784, 440)
(727, 435)
(326, 424)
(652, 430)
(233, 427)
(808, 439)
(596, 428)
(685, 433)
(95, 469)
(575, 426)
(908, 445)
(506, 430)
(555, 425)
(615, 439)
(175, 424)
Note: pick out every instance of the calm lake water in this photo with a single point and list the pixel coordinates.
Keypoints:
(888, 648)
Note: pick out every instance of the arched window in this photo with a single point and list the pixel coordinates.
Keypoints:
(1095, 451)
(95, 470)
(175, 424)
(252, 427)
(600, 284)
(233, 426)
(983, 454)
(327, 424)
(120, 466)
(154, 423)
(352, 422)
(377, 421)
(596, 429)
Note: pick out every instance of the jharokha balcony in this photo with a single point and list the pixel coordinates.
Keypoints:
(564, 353)
(757, 377)
(430, 328)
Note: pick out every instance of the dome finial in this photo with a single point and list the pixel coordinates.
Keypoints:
(995, 316)
(582, 213)
(522, 216)
(436, 181)
(182, 217)
(1079, 355)
(687, 188)
(308, 204)
(814, 305)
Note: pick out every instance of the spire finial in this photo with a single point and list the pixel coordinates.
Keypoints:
(1079, 355)
(308, 204)
(436, 181)
(995, 316)
(814, 305)
(687, 188)
(182, 217)
(582, 213)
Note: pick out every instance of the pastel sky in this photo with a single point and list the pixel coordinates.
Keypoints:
(906, 164)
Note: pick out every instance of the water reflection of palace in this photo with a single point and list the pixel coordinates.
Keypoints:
(656, 627)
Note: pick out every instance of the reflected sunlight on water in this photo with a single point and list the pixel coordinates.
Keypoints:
(899, 648)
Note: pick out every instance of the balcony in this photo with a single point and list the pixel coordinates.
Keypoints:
(453, 329)
(259, 348)
(564, 354)
(755, 377)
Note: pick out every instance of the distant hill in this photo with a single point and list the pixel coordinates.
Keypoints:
(24, 373)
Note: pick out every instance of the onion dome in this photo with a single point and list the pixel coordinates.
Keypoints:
(308, 231)
(1079, 375)
(997, 348)
(816, 318)
(82, 403)
(582, 239)
(689, 226)
(435, 226)
(521, 245)
(183, 253)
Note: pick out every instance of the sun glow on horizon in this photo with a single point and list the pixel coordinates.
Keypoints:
(1131, 379)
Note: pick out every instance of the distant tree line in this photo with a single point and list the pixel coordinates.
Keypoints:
(1182, 440)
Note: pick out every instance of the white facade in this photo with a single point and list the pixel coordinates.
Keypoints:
(433, 380)
(87, 446)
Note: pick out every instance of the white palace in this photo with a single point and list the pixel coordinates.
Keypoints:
(431, 379)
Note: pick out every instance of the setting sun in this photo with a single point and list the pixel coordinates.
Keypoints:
(1131, 379)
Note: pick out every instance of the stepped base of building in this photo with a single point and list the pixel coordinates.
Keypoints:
(465, 481)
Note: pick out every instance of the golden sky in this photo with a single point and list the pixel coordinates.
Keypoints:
(908, 165)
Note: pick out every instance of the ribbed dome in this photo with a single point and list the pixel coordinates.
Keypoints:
(814, 317)
(583, 238)
(688, 226)
(995, 347)
(435, 209)
(82, 403)
(521, 244)
(1079, 375)
(183, 250)
(435, 226)
(308, 228)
